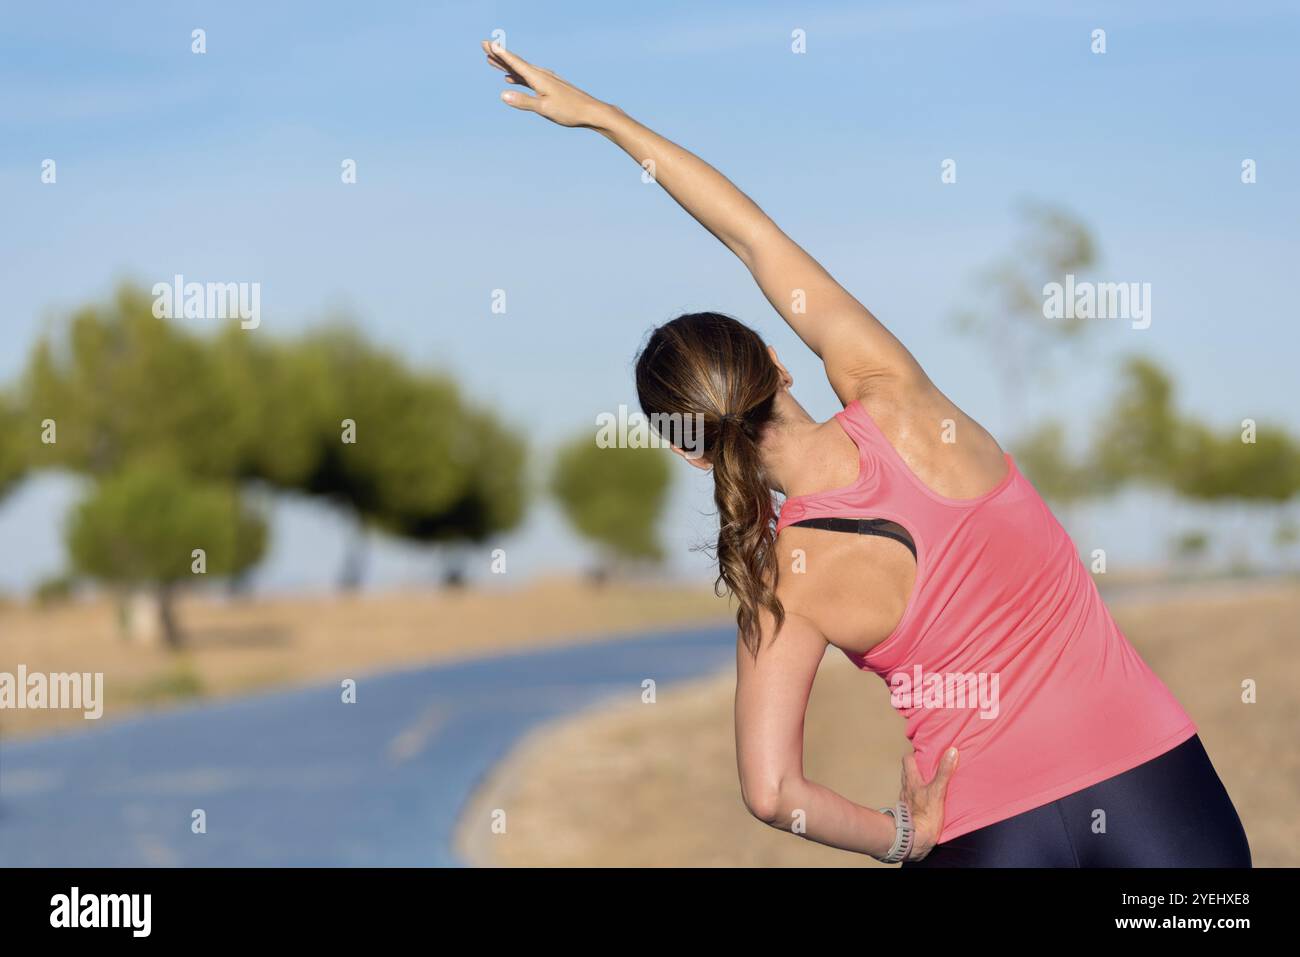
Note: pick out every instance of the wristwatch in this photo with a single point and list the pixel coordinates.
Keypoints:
(904, 832)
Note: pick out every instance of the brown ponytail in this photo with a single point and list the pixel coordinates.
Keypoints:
(708, 368)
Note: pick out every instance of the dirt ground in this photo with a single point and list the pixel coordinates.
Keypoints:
(236, 646)
(655, 785)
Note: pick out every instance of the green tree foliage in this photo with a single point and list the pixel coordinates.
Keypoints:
(279, 396)
(1144, 438)
(139, 529)
(404, 466)
(120, 384)
(497, 458)
(404, 458)
(492, 498)
(1214, 466)
(13, 460)
(1044, 457)
(613, 497)
(326, 413)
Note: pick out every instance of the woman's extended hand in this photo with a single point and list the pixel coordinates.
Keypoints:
(558, 101)
(926, 801)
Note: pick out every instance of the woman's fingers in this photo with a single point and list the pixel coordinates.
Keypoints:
(936, 787)
(556, 100)
(492, 58)
(497, 63)
(521, 101)
(518, 71)
(514, 64)
(947, 764)
(912, 780)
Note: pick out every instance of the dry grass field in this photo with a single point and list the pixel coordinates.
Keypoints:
(655, 785)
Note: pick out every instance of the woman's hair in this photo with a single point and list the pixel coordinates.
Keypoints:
(707, 369)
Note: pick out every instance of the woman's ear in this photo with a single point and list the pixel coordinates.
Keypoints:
(787, 380)
(694, 458)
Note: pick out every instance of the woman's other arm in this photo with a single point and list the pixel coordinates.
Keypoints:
(772, 692)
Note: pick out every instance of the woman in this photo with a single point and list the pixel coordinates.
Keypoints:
(908, 540)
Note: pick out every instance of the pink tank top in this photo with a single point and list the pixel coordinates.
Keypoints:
(1005, 648)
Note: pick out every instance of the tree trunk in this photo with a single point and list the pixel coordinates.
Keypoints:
(171, 634)
(455, 565)
(148, 616)
(354, 557)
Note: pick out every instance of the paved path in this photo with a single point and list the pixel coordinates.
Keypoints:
(299, 778)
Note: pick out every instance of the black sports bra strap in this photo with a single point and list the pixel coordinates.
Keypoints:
(863, 526)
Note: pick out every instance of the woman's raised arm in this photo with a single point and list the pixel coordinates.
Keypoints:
(857, 350)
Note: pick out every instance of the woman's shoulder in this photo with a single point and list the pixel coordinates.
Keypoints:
(945, 448)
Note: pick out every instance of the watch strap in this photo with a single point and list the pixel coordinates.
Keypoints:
(904, 833)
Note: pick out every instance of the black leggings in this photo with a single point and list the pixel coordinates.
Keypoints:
(1171, 811)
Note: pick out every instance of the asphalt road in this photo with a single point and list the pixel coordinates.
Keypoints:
(301, 779)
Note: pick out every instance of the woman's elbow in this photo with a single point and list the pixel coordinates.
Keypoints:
(766, 800)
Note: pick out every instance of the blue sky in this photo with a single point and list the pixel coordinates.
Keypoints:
(225, 166)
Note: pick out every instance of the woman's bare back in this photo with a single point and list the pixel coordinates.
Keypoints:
(855, 588)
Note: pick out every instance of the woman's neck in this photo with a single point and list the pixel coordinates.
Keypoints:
(800, 454)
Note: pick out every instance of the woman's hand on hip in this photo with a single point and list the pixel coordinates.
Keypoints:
(926, 799)
(557, 100)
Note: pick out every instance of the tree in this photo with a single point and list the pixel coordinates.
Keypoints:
(1190, 546)
(1061, 478)
(1146, 439)
(1222, 466)
(1008, 312)
(12, 457)
(613, 496)
(1286, 535)
(492, 501)
(386, 436)
(325, 413)
(119, 383)
(279, 395)
(1142, 437)
(140, 529)
(332, 415)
